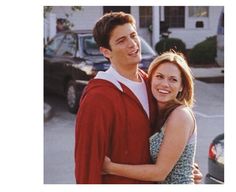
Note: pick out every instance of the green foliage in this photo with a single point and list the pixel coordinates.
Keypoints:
(203, 52)
(170, 43)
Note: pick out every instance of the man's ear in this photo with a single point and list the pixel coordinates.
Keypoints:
(106, 52)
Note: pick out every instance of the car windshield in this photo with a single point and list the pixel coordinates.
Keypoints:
(90, 46)
(146, 49)
(52, 47)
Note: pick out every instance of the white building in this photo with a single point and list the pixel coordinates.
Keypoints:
(191, 24)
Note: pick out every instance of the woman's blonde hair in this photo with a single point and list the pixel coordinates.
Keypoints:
(186, 96)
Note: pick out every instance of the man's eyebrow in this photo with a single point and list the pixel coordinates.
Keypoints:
(123, 37)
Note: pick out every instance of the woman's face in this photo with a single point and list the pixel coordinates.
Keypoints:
(166, 83)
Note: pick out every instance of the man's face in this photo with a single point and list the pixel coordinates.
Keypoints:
(125, 46)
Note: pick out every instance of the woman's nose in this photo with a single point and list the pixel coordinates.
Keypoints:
(164, 82)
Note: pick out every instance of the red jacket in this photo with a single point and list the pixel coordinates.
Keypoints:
(110, 122)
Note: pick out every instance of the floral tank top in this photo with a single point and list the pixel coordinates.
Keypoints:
(182, 171)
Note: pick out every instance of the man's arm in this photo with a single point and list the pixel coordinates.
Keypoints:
(91, 139)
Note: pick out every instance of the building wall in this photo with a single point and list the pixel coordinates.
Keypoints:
(83, 19)
(87, 17)
(143, 32)
(192, 35)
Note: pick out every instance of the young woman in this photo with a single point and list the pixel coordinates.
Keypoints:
(173, 144)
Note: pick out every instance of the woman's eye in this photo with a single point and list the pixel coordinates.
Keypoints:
(173, 80)
(159, 76)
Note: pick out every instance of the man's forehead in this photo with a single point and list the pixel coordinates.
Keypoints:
(123, 31)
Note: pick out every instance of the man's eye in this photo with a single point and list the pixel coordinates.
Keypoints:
(120, 41)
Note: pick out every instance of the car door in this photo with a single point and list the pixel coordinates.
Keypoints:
(50, 58)
(64, 60)
(61, 62)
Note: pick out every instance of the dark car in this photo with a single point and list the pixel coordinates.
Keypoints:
(72, 58)
(215, 173)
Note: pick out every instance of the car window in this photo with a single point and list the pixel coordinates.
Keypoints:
(53, 45)
(90, 46)
(68, 46)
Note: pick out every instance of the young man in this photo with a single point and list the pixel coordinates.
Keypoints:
(117, 109)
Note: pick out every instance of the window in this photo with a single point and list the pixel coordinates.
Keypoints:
(198, 11)
(68, 46)
(108, 9)
(174, 16)
(90, 47)
(145, 16)
(53, 45)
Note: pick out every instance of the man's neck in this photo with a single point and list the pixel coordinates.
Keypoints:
(129, 73)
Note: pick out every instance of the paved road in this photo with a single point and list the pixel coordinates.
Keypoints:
(59, 132)
(209, 110)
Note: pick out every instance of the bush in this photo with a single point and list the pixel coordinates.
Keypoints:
(170, 43)
(203, 52)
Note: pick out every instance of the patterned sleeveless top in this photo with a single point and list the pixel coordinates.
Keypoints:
(182, 171)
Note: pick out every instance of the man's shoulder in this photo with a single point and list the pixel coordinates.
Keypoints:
(99, 93)
(100, 89)
(99, 85)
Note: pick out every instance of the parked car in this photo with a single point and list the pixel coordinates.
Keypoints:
(215, 173)
(72, 58)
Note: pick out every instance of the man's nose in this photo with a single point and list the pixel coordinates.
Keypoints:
(131, 42)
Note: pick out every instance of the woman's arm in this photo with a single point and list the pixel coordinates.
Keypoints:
(179, 127)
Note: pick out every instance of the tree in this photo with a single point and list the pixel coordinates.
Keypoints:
(48, 9)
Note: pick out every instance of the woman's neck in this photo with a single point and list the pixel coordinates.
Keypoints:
(161, 106)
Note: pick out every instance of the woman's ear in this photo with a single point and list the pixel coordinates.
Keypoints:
(106, 52)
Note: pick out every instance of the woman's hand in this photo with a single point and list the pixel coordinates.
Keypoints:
(197, 175)
(106, 165)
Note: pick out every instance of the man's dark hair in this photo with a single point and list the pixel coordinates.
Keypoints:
(105, 25)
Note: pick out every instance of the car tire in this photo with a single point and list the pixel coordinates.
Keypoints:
(72, 97)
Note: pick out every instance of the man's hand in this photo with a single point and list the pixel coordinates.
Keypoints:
(197, 175)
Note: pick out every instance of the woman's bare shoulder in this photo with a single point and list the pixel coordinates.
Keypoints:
(181, 116)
